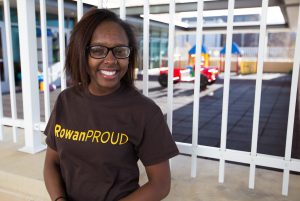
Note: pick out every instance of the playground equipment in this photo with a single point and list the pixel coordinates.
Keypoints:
(235, 50)
(242, 65)
(204, 56)
(208, 75)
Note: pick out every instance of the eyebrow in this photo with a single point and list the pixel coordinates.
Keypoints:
(102, 44)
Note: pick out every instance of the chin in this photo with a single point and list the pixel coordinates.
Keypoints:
(109, 85)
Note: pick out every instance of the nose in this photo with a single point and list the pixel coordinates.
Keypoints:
(110, 58)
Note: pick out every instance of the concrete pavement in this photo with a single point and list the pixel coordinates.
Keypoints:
(21, 179)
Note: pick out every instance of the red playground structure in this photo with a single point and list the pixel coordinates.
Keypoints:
(209, 74)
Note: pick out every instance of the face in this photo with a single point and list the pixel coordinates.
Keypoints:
(106, 73)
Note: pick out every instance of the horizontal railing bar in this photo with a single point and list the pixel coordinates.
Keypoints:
(295, 165)
(244, 157)
(12, 122)
(184, 148)
(7, 121)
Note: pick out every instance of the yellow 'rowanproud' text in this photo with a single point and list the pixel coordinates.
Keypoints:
(94, 136)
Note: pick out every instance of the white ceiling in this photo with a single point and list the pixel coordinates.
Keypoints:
(290, 7)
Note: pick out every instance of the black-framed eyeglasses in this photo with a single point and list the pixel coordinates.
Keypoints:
(100, 51)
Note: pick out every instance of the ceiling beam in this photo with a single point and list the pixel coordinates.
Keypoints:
(208, 5)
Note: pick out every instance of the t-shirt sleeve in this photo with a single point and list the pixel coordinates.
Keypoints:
(157, 144)
(49, 130)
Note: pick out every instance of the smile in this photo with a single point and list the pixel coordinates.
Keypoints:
(108, 72)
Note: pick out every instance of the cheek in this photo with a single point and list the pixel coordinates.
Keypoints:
(124, 65)
(93, 63)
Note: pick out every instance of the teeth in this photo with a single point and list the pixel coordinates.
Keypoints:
(109, 73)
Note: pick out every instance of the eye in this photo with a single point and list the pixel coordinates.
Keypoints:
(98, 51)
(121, 51)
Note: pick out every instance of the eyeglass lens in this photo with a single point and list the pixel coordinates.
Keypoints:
(99, 52)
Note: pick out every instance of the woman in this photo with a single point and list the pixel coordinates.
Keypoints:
(101, 126)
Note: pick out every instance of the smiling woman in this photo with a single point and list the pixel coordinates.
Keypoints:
(84, 43)
(102, 125)
(107, 72)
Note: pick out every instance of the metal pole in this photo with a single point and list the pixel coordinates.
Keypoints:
(11, 71)
(27, 37)
(197, 87)
(45, 59)
(61, 24)
(100, 3)
(258, 87)
(171, 64)
(292, 108)
(79, 9)
(123, 10)
(146, 48)
(226, 89)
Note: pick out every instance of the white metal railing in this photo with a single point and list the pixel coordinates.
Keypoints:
(45, 58)
(257, 100)
(197, 88)
(79, 9)
(32, 124)
(226, 90)
(291, 117)
(171, 64)
(28, 42)
(146, 48)
(61, 22)
(10, 65)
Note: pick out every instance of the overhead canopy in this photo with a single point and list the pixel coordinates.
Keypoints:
(203, 49)
(234, 49)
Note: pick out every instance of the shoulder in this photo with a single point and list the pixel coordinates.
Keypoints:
(141, 107)
(70, 95)
(72, 91)
(141, 101)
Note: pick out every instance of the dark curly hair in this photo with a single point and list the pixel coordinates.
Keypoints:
(76, 65)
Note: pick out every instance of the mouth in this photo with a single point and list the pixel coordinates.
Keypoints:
(109, 74)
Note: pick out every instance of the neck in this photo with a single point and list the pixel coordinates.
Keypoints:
(101, 91)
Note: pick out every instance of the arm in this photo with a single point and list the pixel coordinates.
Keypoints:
(52, 176)
(158, 185)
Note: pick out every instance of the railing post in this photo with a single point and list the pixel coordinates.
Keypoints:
(123, 9)
(1, 115)
(100, 3)
(10, 65)
(258, 90)
(28, 52)
(61, 27)
(196, 105)
(146, 28)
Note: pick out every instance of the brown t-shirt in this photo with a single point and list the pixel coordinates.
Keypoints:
(99, 140)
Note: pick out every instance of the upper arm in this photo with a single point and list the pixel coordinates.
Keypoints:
(157, 144)
(160, 176)
(51, 157)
